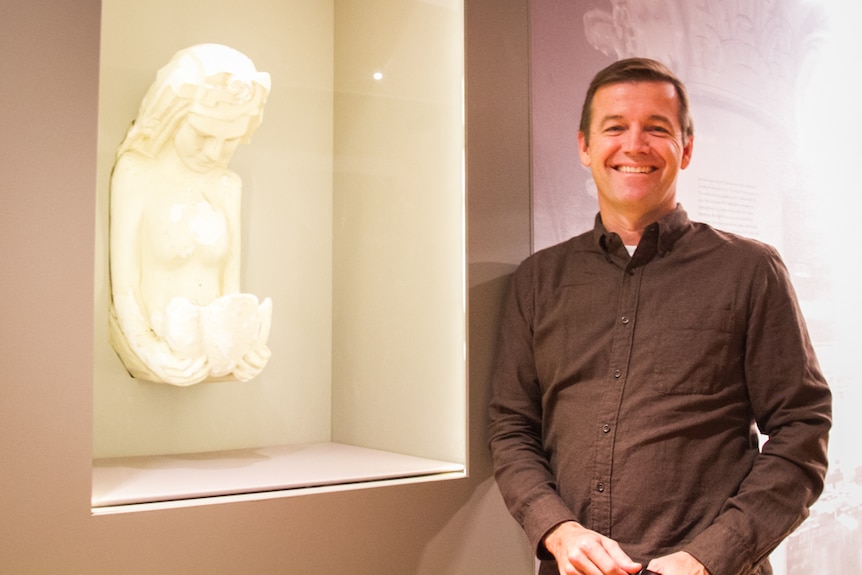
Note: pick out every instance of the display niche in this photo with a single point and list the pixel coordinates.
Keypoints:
(350, 222)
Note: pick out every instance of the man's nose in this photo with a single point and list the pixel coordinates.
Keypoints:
(636, 141)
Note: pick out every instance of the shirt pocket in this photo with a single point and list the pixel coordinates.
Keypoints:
(692, 351)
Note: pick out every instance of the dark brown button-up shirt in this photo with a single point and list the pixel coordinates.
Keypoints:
(629, 392)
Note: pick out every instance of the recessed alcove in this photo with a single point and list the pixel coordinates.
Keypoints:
(353, 223)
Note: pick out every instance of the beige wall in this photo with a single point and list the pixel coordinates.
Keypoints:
(47, 181)
(398, 370)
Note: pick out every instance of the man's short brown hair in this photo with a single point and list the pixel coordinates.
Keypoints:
(637, 70)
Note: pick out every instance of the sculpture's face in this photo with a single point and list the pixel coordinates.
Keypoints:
(204, 143)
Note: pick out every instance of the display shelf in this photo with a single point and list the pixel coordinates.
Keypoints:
(126, 482)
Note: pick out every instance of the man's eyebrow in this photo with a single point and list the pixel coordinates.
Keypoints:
(620, 117)
(660, 118)
(655, 119)
(611, 118)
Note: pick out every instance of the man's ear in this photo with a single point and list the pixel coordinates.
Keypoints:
(583, 149)
(686, 153)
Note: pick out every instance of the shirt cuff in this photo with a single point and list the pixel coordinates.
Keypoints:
(540, 518)
(721, 551)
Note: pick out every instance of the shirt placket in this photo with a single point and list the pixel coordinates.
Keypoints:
(609, 410)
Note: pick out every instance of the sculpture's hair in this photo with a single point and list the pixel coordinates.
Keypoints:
(637, 70)
(207, 79)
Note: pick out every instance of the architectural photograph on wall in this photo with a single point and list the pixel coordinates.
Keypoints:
(773, 158)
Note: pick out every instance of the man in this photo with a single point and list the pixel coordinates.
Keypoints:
(638, 361)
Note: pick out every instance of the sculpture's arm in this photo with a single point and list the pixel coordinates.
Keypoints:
(127, 209)
(128, 194)
(253, 362)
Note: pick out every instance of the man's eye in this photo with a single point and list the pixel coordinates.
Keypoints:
(658, 130)
(614, 129)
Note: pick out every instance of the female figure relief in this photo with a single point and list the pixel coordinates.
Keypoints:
(177, 314)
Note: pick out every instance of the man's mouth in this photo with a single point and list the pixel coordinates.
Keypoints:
(635, 169)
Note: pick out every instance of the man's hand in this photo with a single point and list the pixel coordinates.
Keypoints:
(579, 551)
(679, 563)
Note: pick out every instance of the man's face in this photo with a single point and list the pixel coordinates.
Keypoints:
(635, 148)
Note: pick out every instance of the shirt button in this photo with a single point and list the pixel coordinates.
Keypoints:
(606, 428)
(625, 320)
(617, 374)
(600, 487)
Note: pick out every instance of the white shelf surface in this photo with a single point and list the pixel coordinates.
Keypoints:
(127, 481)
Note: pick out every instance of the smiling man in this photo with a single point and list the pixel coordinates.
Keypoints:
(639, 362)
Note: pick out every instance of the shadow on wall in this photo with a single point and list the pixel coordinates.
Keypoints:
(465, 533)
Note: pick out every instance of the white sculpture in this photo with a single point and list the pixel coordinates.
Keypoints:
(177, 314)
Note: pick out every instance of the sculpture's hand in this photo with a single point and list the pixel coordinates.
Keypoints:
(171, 368)
(252, 363)
(146, 341)
(264, 311)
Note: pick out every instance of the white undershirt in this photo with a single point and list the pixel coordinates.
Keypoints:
(631, 250)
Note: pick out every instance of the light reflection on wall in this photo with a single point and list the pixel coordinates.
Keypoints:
(829, 120)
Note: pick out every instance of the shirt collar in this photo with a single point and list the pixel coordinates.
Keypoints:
(658, 237)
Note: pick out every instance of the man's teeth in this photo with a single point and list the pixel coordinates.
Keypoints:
(635, 169)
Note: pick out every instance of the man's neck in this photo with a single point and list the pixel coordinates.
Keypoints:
(629, 232)
(630, 226)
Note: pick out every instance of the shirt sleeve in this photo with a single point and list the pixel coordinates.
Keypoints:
(521, 465)
(791, 403)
